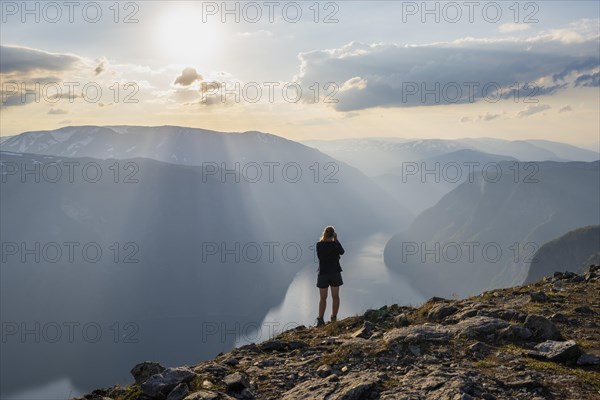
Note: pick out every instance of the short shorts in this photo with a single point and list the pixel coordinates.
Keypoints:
(326, 280)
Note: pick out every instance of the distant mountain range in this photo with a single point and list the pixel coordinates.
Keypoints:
(501, 222)
(418, 173)
(575, 251)
(380, 156)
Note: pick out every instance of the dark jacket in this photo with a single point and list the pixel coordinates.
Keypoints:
(329, 257)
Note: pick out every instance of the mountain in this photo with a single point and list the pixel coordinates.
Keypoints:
(160, 249)
(386, 155)
(421, 184)
(579, 248)
(172, 144)
(4, 138)
(525, 342)
(567, 151)
(380, 156)
(483, 233)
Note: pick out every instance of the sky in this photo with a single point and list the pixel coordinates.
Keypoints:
(306, 69)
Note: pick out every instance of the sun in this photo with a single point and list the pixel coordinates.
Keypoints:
(183, 38)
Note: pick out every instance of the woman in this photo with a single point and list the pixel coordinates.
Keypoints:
(329, 250)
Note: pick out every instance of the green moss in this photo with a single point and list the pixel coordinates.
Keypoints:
(133, 392)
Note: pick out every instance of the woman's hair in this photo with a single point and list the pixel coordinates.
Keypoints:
(328, 233)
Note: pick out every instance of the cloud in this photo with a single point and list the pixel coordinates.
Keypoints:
(565, 109)
(25, 59)
(533, 109)
(101, 67)
(187, 77)
(261, 32)
(588, 80)
(458, 72)
(512, 27)
(57, 111)
(481, 118)
(354, 83)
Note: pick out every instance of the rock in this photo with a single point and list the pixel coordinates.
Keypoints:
(557, 351)
(324, 371)
(145, 370)
(160, 385)
(435, 299)
(479, 327)
(463, 314)
(265, 363)
(280, 345)
(377, 315)
(216, 370)
(558, 317)
(231, 361)
(480, 349)
(588, 359)
(542, 328)
(440, 311)
(415, 333)
(355, 387)
(317, 389)
(401, 320)
(415, 350)
(236, 382)
(508, 315)
(179, 393)
(202, 395)
(516, 332)
(539, 297)
(584, 310)
(344, 369)
(558, 276)
(365, 331)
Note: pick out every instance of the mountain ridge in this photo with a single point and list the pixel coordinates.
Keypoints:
(535, 341)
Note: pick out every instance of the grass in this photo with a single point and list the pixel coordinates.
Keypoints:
(585, 344)
(512, 349)
(338, 356)
(590, 377)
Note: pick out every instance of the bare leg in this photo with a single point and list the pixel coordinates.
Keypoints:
(335, 295)
(322, 301)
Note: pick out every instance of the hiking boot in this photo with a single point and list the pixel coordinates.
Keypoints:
(320, 321)
(333, 318)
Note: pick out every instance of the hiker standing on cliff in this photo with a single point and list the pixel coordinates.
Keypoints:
(329, 251)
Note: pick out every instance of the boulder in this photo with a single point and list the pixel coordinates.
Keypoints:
(142, 371)
(236, 382)
(542, 328)
(416, 333)
(553, 350)
(160, 385)
(438, 312)
(179, 392)
(479, 327)
(202, 395)
(588, 359)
